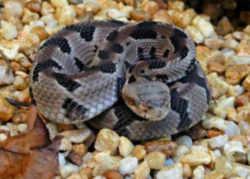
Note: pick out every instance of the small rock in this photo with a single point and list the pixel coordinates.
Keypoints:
(174, 171)
(246, 83)
(75, 176)
(230, 43)
(223, 105)
(103, 162)
(244, 128)
(47, 9)
(230, 148)
(116, 14)
(34, 6)
(195, 34)
(199, 172)
(65, 15)
(68, 169)
(22, 128)
(213, 133)
(86, 172)
(75, 1)
(169, 161)
(187, 171)
(6, 74)
(125, 146)
(150, 6)
(80, 149)
(107, 140)
(3, 137)
(218, 141)
(217, 64)
(243, 99)
(91, 6)
(180, 151)
(77, 136)
(197, 157)
(142, 171)
(6, 110)
(59, 3)
(139, 15)
(128, 165)
(113, 175)
(176, 5)
(184, 140)
(229, 127)
(156, 160)
(164, 146)
(162, 16)
(13, 8)
(29, 16)
(204, 26)
(139, 152)
(234, 74)
(53, 131)
(8, 30)
(241, 170)
(214, 43)
(9, 49)
(218, 85)
(65, 145)
(224, 26)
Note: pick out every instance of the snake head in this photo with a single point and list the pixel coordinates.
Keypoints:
(148, 99)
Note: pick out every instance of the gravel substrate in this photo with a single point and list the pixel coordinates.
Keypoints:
(217, 148)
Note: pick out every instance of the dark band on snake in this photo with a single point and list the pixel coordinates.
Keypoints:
(43, 66)
(58, 41)
(69, 84)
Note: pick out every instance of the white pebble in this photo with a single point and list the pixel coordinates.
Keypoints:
(218, 141)
(199, 172)
(232, 147)
(203, 25)
(174, 171)
(128, 165)
(232, 129)
(3, 137)
(184, 140)
(67, 169)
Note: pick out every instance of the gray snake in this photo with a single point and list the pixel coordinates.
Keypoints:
(140, 79)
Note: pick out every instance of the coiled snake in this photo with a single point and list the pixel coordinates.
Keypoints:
(140, 79)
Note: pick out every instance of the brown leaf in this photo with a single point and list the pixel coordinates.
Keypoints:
(36, 137)
(39, 163)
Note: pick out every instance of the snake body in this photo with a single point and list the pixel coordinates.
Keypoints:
(140, 79)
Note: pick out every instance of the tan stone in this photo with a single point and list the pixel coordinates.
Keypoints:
(234, 74)
(224, 26)
(139, 15)
(113, 175)
(142, 171)
(139, 152)
(162, 16)
(125, 146)
(80, 149)
(246, 83)
(6, 110)
(156, 160)
(196, 158)
(150, 6)
(107, 140)
(164, 146)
